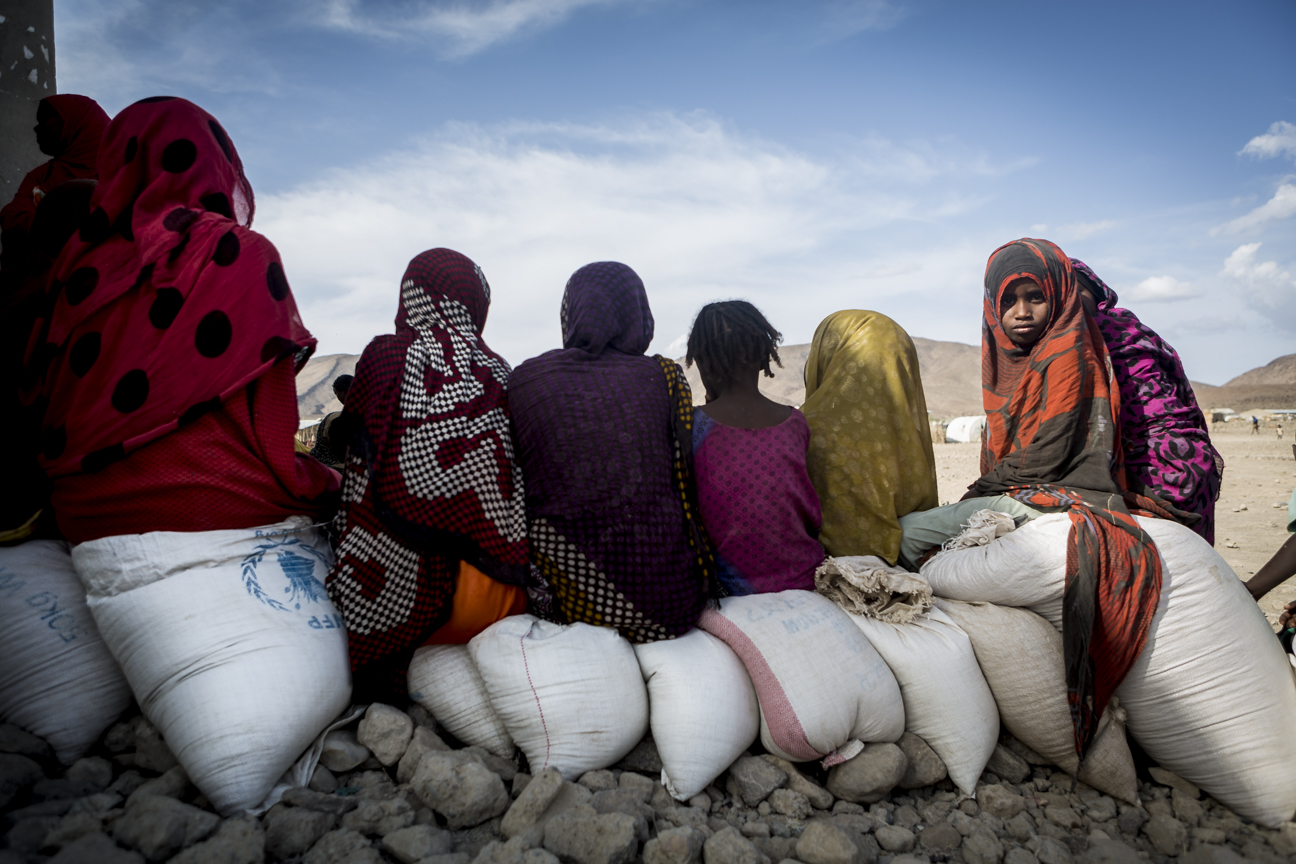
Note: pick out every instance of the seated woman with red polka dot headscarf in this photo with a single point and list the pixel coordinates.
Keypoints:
(165, 364)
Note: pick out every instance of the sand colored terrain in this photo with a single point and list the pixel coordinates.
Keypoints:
(315, 384)
(1259, 475)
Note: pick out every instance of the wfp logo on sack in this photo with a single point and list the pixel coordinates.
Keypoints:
(280, 572)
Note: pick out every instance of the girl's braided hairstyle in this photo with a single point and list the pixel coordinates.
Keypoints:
(729, 337)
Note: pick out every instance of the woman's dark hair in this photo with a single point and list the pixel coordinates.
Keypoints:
(730, 337)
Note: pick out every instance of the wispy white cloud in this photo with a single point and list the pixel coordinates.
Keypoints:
(1281, 206)
(848, 17)
(700, 210)
(465, 28)
(1280, 140)
(1266, 286)
(1162, 289)
(1084, 230)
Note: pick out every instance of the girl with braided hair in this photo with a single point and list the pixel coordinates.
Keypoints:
(749, 452)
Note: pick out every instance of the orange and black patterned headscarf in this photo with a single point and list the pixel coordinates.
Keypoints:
(1053, 442)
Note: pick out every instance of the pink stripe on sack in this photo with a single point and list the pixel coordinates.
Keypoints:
(784, 725)
(527, 666)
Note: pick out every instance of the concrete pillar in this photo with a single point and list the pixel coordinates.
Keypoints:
(26, 77)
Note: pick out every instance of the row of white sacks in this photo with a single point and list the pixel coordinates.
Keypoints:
(226, 639)
(233, 651)
(1212, 696)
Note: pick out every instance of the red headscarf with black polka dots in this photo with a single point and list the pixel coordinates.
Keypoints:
(166, 303)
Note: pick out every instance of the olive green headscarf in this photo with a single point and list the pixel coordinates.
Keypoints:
(870, 456)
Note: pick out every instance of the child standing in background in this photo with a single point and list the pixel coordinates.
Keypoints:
(749, 452)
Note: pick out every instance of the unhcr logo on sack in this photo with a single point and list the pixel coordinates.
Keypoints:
(296, 573)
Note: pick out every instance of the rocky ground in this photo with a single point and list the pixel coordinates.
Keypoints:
(392, 789)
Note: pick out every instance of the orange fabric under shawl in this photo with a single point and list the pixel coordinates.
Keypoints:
(479, 601)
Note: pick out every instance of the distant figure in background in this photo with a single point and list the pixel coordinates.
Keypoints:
(1281, 567)
(432, 510)
(68, 129)
(1167, 444)
(1255, 425)
(326, 450)
(1279, 430)
(603, 436)
(871, 458)
(758, 504)
(167, 353)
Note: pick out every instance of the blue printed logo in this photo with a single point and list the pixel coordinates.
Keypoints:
(296, 576)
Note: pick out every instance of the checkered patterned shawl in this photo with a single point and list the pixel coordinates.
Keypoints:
(604, 437)
(430, 477)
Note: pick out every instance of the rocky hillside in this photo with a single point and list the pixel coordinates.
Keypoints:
(951, 373)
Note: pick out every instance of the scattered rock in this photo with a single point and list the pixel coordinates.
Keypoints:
(790, 803)
(424, 741)
(819, 797)
(95, 772)
(893, 838)
(342, 846)
(925, 768)
(905, 816)
(1101, 809)
(940, 836)
(386, 731)
(322, 780)
(527, 809)
(1284, 839)
(998, 801)
(1110, 852)
(1051, 851)
(1212, 854)
(172, 784)
(1131, 818)
(505, 768)
(730, 847)
(300, 796)
(870, 775)
(599, 780)
(16, 774)
(1063, 817)
(1026, 753)
(28, 835)
(824, 843)
(585, 837)
(981, 847)
(639, 784)
(460, 787)
(290, 831)
(1020, 827)
(151, 752)
(674, 846)
(343, 751)
(643, 759)
(1166, 834)
(755, 779)
(1008, 765)
(70, 828)
(1186, 809)
(1174, 781)
(96, 849)
(380, 817)
(238, 841)
(416, 842)
(159, 827)
(1017, 855)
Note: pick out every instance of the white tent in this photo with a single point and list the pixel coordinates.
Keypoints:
(965, 430)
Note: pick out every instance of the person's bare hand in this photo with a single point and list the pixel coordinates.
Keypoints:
(1288, 613)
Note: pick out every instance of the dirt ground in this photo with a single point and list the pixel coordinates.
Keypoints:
(1251, 513)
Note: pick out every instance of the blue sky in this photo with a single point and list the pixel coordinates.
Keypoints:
(808, 156)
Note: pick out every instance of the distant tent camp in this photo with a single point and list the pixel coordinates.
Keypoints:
(965, 430)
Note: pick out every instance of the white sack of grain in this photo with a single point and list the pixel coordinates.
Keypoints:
(229, 643)
(445, 681)
(571, 696)
(701, 707)
(58, 680)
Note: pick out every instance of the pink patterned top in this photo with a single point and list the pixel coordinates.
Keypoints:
(758, 504)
